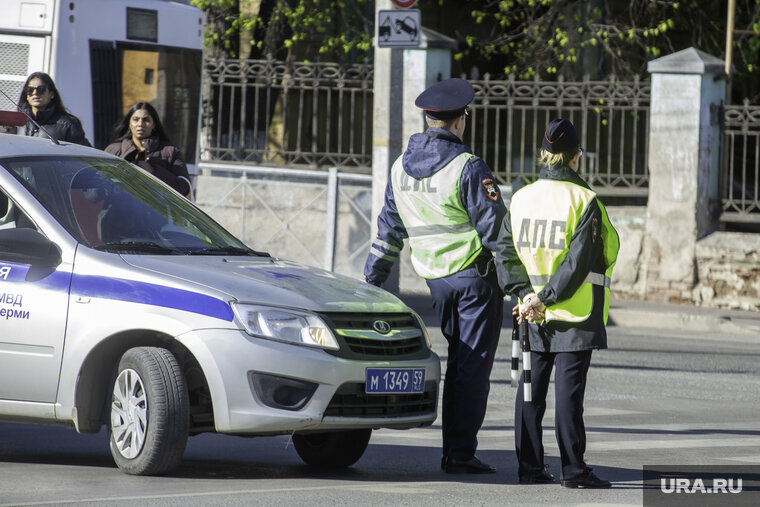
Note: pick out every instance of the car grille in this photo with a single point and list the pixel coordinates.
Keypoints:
(351, 401)
(360, 340)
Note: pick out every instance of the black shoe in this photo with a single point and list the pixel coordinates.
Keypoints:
(542, 477)
(587, 480)
(470, 466)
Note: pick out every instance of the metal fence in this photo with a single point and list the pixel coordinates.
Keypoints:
(612, 117)
(741, 163)
(320, 115)
(319, 218)
(289, 113)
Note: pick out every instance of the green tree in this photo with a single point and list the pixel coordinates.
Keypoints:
(308, 29)
(572, 38)
(544, 38)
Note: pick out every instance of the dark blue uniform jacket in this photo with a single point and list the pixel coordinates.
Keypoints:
(426, 154)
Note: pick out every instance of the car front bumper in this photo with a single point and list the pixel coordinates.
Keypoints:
(231, 360)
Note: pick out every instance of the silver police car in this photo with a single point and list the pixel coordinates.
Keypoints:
(123, 304)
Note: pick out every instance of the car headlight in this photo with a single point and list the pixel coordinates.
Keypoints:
(423, 327)
(285, 325)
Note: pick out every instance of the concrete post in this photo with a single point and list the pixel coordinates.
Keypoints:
(386, 126)
(424, 66)
(399, 76)
(684, 166)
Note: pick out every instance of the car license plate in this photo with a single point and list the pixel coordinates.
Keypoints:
(395, 380)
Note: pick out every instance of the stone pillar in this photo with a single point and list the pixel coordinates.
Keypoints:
(684, 165)
(424, 66)
(386, 126)
(399, 76)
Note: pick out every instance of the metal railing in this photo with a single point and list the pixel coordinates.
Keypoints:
(320, 115)
(319, 218)
(508, 119)
(740, 177)
(289, 113)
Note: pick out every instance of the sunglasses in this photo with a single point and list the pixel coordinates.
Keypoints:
(467, 111)
(41, 89)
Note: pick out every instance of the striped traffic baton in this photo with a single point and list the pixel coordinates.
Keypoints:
(515, 372)
(527, 394)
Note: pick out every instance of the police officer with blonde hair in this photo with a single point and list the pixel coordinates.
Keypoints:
(445, 200)
(557, 251)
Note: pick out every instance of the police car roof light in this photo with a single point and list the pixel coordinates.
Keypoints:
(26, 118)
(12, 119)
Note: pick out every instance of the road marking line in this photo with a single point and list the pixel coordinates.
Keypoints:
(673, 443)
(428, 487)
(747, 459)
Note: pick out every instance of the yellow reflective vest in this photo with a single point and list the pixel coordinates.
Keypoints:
(442, 241)
(543, 218)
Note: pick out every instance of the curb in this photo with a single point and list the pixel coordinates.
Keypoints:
(705, 322)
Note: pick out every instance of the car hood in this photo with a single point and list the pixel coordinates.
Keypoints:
(271, 281)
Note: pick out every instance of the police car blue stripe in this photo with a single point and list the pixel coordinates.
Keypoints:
(150, 294)
(11, 272)
(44, 278)
(117, 289)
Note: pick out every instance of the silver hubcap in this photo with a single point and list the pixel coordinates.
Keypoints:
(129, 413)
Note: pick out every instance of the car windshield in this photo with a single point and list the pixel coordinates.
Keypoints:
(111, 205)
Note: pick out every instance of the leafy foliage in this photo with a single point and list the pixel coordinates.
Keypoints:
(311, 28)
(528, 38)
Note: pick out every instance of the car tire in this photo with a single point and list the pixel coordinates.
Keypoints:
(332, 449)
(149, 414)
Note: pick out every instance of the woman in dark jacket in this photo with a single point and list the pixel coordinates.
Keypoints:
(140, 138)
(40, 100)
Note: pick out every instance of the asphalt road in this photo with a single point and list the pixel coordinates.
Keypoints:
(655, 397)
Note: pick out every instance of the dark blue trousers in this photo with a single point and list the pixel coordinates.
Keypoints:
(571, 369)
(470, 309)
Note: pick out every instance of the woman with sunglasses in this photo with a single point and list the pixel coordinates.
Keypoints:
(41, 101)
(140, 138)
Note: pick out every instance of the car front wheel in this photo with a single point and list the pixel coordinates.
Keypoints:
(332, 449)
(149, 412)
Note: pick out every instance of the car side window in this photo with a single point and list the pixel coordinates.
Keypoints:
(11, 215)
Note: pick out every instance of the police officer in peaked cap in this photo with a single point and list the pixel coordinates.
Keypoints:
(557, 252)
(445, 200)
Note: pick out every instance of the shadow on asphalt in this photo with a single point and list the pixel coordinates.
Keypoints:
(221, 457)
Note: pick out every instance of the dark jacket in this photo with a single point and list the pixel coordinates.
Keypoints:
(61, 126)
(160, 158)
(585, 254)
(426, 154)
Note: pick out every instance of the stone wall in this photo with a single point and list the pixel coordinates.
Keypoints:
(727, 270)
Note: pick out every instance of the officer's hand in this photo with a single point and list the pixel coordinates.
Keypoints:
(536, 314)
(532, 308)
(516, 313)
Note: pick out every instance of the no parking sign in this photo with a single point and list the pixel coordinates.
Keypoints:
(398, 28)
(404, 4)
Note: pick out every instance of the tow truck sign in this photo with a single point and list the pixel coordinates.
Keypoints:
(398, 28)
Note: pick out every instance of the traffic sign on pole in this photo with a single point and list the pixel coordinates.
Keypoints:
(398, 28)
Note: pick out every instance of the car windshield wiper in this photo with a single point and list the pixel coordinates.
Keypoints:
(227, 250)
(136, 247)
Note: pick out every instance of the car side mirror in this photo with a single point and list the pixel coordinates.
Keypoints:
(27, 246)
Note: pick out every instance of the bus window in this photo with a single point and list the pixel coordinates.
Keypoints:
(168, 78)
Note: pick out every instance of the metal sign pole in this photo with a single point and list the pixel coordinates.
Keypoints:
(386, 127)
